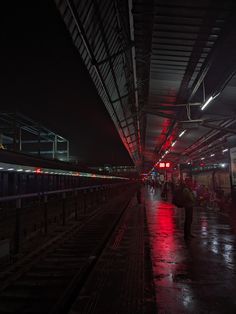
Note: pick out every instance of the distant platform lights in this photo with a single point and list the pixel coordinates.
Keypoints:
(168, 150)
(209, 164)
(213, 154)
(28, 169)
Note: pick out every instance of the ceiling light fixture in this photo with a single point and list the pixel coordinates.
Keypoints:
(207, 103)
(225, 150)
(173, 144)
(182, 133)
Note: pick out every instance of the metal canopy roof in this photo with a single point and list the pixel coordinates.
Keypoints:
(155, 63)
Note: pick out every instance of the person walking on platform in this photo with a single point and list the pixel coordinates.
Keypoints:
(188, 202)
(164, 192)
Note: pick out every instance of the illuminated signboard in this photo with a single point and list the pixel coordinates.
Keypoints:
(164, 165)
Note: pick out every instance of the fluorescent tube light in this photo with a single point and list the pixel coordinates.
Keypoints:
(182, 133)
(206, 103)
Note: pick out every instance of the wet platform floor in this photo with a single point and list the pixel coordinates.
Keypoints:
(197, 276)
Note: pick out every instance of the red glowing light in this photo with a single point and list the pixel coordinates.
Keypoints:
(38, 170)
(164, 165)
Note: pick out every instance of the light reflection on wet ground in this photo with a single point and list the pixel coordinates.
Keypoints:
(198, 276)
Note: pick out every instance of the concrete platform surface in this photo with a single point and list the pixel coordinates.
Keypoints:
(121, 282)
(197, 276)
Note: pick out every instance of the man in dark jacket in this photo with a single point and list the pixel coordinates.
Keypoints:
(188, 201)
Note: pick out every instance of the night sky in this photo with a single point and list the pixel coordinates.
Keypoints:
(43, 77)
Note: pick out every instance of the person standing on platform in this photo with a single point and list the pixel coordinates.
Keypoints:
(188, 202)
(164, 192)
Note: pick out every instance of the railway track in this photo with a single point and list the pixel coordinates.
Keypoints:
(50, 278)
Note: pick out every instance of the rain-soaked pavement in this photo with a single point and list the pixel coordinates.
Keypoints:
(197, 276)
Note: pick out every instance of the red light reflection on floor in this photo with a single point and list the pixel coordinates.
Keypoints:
(168, 257)
(163, 243)
(190, 275)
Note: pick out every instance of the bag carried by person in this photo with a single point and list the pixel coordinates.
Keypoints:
(178, 198)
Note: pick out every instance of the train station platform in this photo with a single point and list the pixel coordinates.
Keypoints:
(197, 276)
(145, 267)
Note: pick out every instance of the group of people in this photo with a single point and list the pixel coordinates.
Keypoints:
(204, 197)
(190, 194)
(197, 195)
(211, 199)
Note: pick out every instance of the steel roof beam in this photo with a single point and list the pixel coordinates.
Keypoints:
(109, 57)
(160, 114)
(87, 45)
(120, 52)
(220, 128)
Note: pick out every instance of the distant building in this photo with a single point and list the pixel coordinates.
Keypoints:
(21, 134)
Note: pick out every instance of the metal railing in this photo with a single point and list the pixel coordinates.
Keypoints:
(83, 198)
(56, 192)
